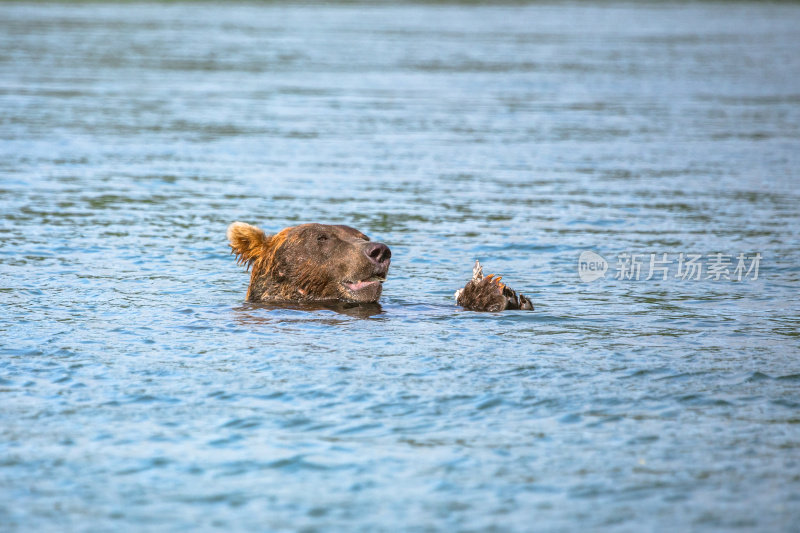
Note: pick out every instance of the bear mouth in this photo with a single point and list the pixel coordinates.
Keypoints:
(367, 283)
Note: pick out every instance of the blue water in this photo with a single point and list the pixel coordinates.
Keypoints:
(139, 392)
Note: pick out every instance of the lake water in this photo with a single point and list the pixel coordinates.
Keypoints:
(139, 392)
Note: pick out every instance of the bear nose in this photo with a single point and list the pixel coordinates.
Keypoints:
(377, 252)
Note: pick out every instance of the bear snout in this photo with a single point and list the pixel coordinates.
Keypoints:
(378, 253)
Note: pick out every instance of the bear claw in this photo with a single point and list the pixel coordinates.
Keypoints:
(489, 294)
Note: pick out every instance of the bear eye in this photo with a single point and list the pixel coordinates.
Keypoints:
(322, 238)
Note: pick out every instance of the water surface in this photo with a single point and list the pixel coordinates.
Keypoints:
(139, 392)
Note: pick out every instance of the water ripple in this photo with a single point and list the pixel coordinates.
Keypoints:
(139, 392)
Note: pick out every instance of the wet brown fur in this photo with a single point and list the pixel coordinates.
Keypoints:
(488, 294)
(292, 266)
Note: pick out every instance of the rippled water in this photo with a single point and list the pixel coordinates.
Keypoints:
(139, 392)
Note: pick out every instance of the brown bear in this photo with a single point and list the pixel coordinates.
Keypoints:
(310, 263)
(324, 263)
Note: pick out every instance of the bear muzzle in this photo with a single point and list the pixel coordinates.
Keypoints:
(368, 288)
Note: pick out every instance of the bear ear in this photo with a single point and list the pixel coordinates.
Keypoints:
(247, 242)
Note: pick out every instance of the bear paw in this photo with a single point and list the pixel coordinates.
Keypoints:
(489, 294)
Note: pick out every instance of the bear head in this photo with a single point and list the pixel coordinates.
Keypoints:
(310, 262)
